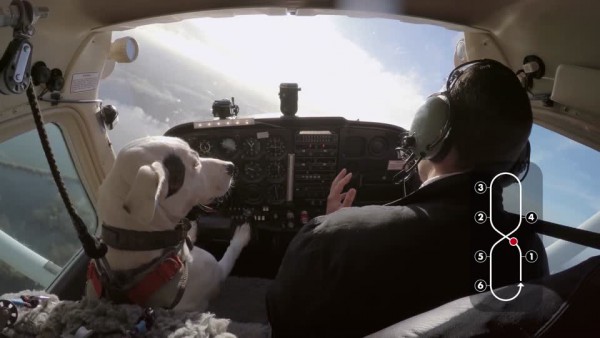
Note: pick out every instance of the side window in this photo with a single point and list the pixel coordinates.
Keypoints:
(571, 191)
(37, 238)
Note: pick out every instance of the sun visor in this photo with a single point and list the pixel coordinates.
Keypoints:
(577, 87)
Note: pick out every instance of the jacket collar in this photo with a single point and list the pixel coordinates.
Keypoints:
(455, 188)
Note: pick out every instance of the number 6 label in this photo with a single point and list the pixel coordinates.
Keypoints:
(480, 285)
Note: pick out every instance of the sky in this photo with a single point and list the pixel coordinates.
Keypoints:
(368, 69)
(335, 61)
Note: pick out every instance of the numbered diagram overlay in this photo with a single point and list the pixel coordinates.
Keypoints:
(505, 251)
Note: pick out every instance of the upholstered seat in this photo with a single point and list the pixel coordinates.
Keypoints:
(563, 304)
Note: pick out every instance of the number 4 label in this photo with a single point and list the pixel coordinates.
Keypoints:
(531, 217)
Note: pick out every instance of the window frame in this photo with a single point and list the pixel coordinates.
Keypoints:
(75, 134)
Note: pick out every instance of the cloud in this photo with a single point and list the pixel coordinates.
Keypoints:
(337, 77)
(133, 123)
(138, 85)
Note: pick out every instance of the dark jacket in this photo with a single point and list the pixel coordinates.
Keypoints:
(361, 269)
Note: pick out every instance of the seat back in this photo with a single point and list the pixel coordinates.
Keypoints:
(568, 304)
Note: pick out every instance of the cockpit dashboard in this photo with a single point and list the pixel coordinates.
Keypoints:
(284, 170)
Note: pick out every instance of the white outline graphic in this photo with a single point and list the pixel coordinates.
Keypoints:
(503, 237)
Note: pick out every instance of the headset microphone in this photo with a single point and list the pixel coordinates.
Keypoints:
(408, 168)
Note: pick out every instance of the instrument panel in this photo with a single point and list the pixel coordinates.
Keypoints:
(284, 169)
(259, 158)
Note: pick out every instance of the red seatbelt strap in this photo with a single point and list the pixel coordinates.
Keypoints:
(92, 275)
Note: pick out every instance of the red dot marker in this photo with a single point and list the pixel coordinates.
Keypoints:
(513, 241)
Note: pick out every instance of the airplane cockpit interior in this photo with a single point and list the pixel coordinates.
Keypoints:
(284, 168)
(180, 168)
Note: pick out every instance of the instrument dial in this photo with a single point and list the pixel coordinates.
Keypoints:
(275, 147)
(253, 171)
(276, 170)
(252, 147)
(204, 147)
(252, 194)
(228, 147)
(276, 194)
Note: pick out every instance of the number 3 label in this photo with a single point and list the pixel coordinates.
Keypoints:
(480, 187)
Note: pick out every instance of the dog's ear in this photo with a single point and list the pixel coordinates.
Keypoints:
(142, 199)
(175, 170)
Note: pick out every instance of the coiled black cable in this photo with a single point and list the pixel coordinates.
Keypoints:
(92, 246)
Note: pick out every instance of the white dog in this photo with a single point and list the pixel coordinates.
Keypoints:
(154, 183)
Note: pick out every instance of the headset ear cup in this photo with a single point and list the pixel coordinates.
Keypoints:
(430, 127)
(444, 150)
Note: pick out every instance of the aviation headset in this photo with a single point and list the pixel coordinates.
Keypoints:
(431, 128)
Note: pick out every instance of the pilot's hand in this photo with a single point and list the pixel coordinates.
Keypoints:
(338, 199)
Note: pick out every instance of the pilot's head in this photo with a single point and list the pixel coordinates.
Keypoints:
(490, 121)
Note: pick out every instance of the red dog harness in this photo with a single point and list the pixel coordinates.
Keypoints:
(146, 287)
(139, 284)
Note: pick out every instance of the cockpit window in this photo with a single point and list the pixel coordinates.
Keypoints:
(36, 236)
(368, 69)
(571, 190)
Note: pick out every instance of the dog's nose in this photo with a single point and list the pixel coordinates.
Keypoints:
(230, 169)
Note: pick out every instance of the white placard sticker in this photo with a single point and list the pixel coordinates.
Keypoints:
(262, 134)
(82, 82)
(395, 165)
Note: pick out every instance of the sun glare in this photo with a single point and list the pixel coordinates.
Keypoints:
(337, 76)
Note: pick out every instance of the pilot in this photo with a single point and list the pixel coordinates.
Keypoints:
(357, 270)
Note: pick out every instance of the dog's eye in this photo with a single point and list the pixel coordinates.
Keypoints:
(196, 163)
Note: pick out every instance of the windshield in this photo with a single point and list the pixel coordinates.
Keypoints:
(368, 69)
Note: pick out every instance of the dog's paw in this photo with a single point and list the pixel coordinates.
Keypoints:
(241, 236)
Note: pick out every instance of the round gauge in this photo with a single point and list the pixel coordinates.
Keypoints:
(251, 147)
(228, 147)
(204, 147)
(252, 194)
(378, 146)
(275, 147)
(276, 170)
(276, 194)
(253, 171)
